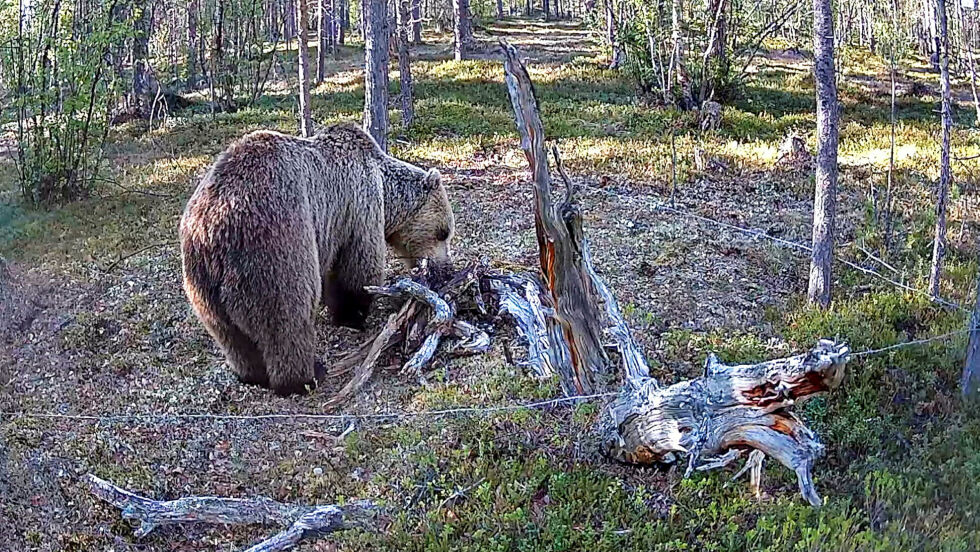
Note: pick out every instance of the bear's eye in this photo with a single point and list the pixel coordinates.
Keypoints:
(442, 234)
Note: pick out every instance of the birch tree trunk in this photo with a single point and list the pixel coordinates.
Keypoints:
(939, 245)
(825, 194)
(302, 32)
(376, 70)
(405, 62)
(462, 29)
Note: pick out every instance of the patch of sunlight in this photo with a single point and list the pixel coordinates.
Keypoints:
(437, 151)
(171, 171)
(880, 156)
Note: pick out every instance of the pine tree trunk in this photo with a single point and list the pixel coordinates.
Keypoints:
(680, 73)
(825, 195)
(939, 245)
(462, 29)
(323, 30)
(343, 22)
(967, 29)
(192, 13)
(416, 22)
(612, 29)
(140, 93)
(375, 18)
(893, 68)
(302, 35)
(405, 62)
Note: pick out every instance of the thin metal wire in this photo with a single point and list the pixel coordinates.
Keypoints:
(475, 410)
(911, 343)
(661, 206)
(302, 416)
(514, 407)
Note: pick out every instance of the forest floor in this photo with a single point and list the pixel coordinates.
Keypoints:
(93, 321)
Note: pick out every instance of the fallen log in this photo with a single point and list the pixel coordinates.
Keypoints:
(301, 521)
(730, 408)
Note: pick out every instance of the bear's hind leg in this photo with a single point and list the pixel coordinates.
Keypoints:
(282, 326)
(360, 263)
(290, 357)
(245, 359)
(241, 353)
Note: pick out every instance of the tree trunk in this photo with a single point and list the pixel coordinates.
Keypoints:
(679, 54)
(405, 62)
(500, 9)
(967, 30)
(462, 29)
(939, 245)
(714, 63)
(376, 70)
(825, 195)
(302, 24)
(612, 29)
(970, 383)
(323, 33)
(888, 214)
(141, 94)
(416, 22)
(546, 8)
(343, 22)
(192, 14)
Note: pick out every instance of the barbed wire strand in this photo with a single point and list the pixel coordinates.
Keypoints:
(316, 417)
(660, 205)
(474, 410)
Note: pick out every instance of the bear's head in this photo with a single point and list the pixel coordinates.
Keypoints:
(428, 232)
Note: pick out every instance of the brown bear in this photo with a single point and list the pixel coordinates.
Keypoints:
(280, 224)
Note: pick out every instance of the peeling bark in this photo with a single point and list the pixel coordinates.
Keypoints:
(566, 269)
(730, 408)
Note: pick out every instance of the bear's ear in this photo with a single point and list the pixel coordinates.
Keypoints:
(432, 179)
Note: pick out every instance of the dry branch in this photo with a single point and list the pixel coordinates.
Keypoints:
(404, 326)
(302, 521)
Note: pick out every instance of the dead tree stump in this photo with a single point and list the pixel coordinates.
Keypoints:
(712, 419)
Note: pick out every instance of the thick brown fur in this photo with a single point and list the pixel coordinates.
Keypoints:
(280, 224)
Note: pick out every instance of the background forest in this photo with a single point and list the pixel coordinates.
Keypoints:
(707, 141)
